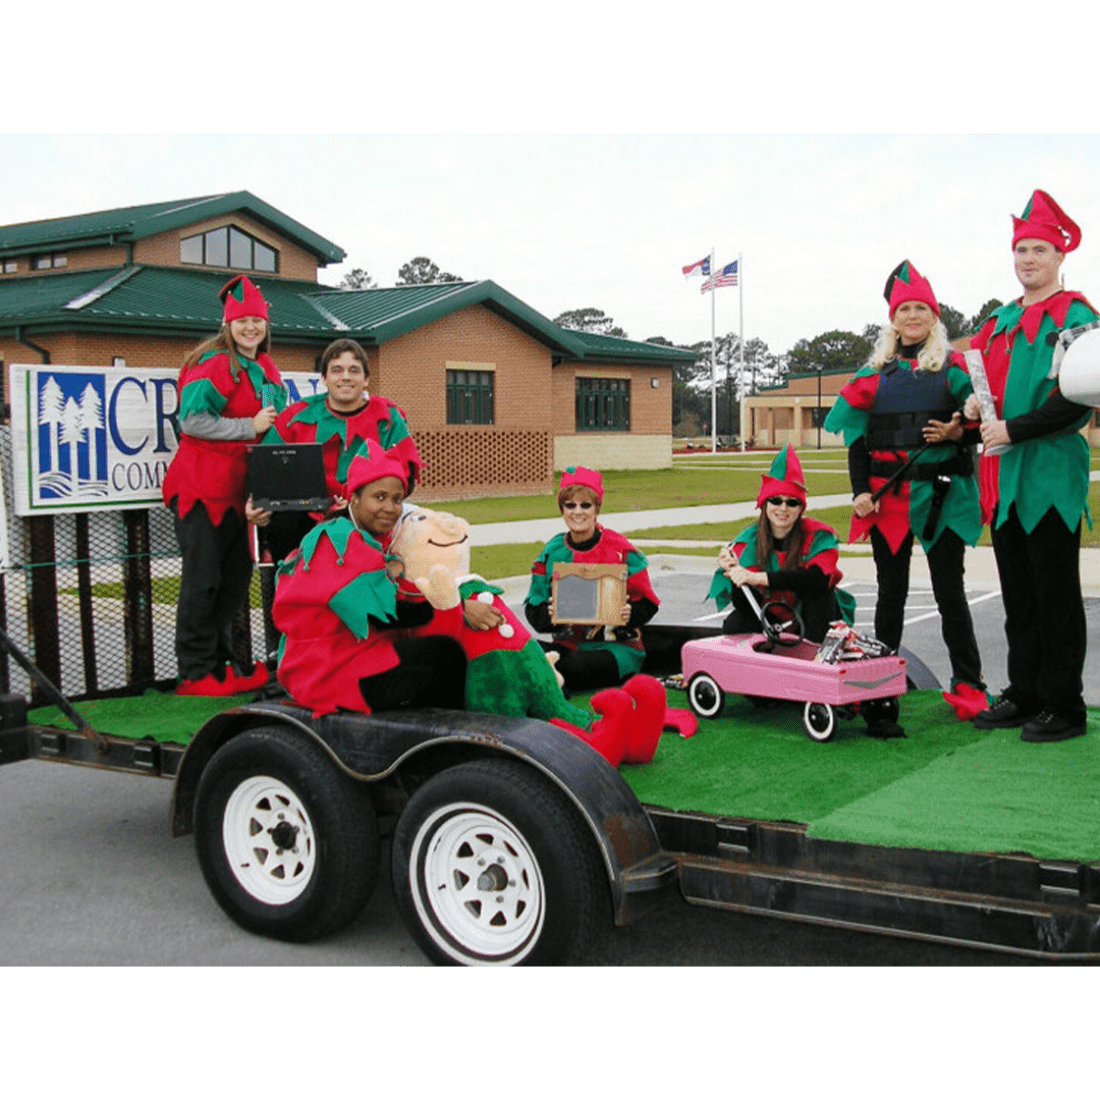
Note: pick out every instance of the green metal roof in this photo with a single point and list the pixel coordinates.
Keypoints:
(132, 223)
(182, 301)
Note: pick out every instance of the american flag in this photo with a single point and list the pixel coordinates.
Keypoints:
(702, 267)
(726, 277)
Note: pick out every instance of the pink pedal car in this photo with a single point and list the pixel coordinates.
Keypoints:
(777, 665)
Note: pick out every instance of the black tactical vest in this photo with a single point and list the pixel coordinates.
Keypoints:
(904, 403)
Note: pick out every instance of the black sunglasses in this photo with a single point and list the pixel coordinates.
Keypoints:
(571, 504)
(790, 502)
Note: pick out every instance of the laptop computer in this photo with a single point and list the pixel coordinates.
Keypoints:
(288, 478)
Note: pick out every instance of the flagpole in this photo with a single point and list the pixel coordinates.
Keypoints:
(741, 312)
(713, 365)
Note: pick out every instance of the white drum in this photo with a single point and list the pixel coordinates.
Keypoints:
(1079, 373)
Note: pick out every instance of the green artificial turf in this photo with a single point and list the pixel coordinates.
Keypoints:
(163, 716)
(945, 786)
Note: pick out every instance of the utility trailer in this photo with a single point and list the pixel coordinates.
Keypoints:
(513, 842)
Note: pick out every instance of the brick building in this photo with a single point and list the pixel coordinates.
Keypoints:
(497, 395)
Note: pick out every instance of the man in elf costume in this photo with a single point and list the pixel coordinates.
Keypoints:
(911, 465)
(342, 418)
(507, 670)
(794, 565)
(1039, 486)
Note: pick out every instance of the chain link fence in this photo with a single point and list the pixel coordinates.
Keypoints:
(90, 598)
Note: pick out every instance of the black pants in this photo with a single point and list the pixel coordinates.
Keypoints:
(216, 572)
(586, 670)
(946, 566)
(818, 611)
(1044, 614)
(432, 673)
(285, 531)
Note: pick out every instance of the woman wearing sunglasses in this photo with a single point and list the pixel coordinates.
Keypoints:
(589, 656)
(787, 558)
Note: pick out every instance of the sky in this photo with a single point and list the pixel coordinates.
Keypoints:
(608, 221)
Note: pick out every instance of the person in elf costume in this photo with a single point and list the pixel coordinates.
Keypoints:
(787, 556)
(911, 464)
(507, 671)
(230, 392)
(342, 419)
(1038, 487)
(346, 641)
(588, 658)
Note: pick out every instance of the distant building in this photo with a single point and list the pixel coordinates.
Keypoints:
(497, 396)
(790, 413)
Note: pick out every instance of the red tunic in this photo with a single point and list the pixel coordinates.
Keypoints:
(208, 470)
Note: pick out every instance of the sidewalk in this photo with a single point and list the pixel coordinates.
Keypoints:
(855, 561)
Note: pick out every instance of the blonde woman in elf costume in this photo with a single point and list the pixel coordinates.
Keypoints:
(902, 422)
(345, 639)
(786, 556)
(229, 394)
(342, 419)
(588, 658)
(1039, 487)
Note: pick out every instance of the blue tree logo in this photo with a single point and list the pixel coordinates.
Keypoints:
(72, 436)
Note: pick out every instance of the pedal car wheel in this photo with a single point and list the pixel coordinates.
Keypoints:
(781, 634)
(819, 720)
(705, 697)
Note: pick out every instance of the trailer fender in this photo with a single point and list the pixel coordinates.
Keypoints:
(376, 746)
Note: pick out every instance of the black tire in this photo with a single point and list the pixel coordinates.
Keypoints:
(492, 864)
(705, 697)
(270, 793)
(819, 720)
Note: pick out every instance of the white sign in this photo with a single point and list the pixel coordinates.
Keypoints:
(89, 438)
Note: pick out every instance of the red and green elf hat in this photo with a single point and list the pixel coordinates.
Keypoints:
(907, 284)
(784, 479)
(579, 475)
(376, 464)
(1045, 220)
(242, 298)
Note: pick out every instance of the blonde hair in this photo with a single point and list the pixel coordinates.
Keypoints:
(931, 357)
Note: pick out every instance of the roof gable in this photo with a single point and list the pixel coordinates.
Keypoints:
(134, 223)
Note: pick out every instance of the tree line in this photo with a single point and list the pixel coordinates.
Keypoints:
(835, 350)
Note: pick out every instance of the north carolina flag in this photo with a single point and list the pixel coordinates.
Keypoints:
(700, 268)
(726, 277)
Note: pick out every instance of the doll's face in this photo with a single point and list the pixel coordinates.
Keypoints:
(428, 538)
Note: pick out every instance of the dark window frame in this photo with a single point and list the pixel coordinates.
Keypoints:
(471, 396)
(219, 247)
(602, 404)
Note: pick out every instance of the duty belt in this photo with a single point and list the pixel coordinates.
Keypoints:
(961, 463)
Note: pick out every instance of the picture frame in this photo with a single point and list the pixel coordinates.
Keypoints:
(588, 593)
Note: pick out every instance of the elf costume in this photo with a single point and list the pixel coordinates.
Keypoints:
(578, 644)
(219, 394)
(927, 490)
(337, 607)
(810, 588)
(1038, 491)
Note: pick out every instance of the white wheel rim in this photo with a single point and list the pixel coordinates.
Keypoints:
(704, 681)
(823, 733)
(269, 840)
(477, 886)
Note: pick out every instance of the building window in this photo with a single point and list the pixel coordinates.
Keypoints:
(11, 267)
(469, 397)
(603, 405)
(48, 260)
(228, 247)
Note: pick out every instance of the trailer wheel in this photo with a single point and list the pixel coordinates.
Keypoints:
(705, 697)
(287, 843)
(819, 720)
(493, 865)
